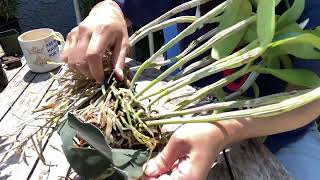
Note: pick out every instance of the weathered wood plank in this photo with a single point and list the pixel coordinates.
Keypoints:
(15, 88)
(13, 72)
(56, 165)
(20, 113)
(251, 160)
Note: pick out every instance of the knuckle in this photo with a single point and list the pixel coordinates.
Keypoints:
(126, 44)
(93, 55)
(179, 139)
(83, 28)
(75, 30)
(162, 159)
(102, 28)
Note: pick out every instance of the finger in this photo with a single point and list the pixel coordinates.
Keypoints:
(165, 177)
(71, 44)
(196, 166)
(119, 55)
(72, 67)
(148, 178)
(80, 52)
(164, 162)
(170, 128)
(97, 46)
(83, 42)
(84, 69)
(184, 170)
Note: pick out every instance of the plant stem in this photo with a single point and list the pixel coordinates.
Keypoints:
(214, 68)
(259, 112)
(263, 101)
(174, 11)
(188, 31)
(200, 50)
(195, 66)
(170, 22)
(252, 45)
(210, 88)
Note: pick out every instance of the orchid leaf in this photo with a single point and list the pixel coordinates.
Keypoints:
(291, 15)
(91, 134)
(303, 45)
(266, 21)
(300, 77)
(87, 162)
(237, 11)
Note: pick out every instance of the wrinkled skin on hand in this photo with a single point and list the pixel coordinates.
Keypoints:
(189, 154)
(104, 28)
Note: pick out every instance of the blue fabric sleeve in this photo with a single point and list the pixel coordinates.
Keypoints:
(140, 12)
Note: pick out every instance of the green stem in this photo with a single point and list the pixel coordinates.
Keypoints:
(188, 31)
(200, 50)
(170, 22)
(252, 45)
(214, 68)
(210, 88)
(263, 101)
(195, 66)
(172, 12)
(259, 112)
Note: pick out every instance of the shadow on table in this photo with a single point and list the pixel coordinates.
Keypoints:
(7, 159)
(31, 77)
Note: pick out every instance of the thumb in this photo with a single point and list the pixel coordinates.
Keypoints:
(120, 53)
(164, 161)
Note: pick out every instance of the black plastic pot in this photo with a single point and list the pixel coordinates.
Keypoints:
(99, 160)
(12, 24)
(9, 42)
(3, 78)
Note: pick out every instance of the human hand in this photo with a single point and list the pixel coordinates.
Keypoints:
(189, 154)
(104, 28)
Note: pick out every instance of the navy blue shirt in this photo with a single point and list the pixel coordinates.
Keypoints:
(140, 12)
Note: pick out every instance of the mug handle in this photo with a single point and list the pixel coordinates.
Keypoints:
(59, 37)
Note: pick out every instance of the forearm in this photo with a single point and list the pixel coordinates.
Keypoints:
(236, 130)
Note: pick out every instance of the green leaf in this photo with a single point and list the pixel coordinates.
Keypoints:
(300, 77)
(286, 62)
(87, 162)
(130, 161)
(292, 14)
(272, 61)
(291, 28)
(256, 90)
(237, 11)
(297, 44)
(266, 21)
(91, 134)
(251, 33)
(296, 38)
(220, 94)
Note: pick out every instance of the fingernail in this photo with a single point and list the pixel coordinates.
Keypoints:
(150, 168)
(120, 75)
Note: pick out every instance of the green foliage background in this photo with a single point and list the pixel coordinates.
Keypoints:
(7, 10)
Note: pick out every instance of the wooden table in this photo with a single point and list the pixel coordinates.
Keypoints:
(249, 160)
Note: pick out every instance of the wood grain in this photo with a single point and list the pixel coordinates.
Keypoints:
(14, 90)
(20, 113)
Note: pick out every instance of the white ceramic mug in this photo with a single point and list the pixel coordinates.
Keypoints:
(41, 49)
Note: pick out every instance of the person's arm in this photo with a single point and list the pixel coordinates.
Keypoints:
(193, 148)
